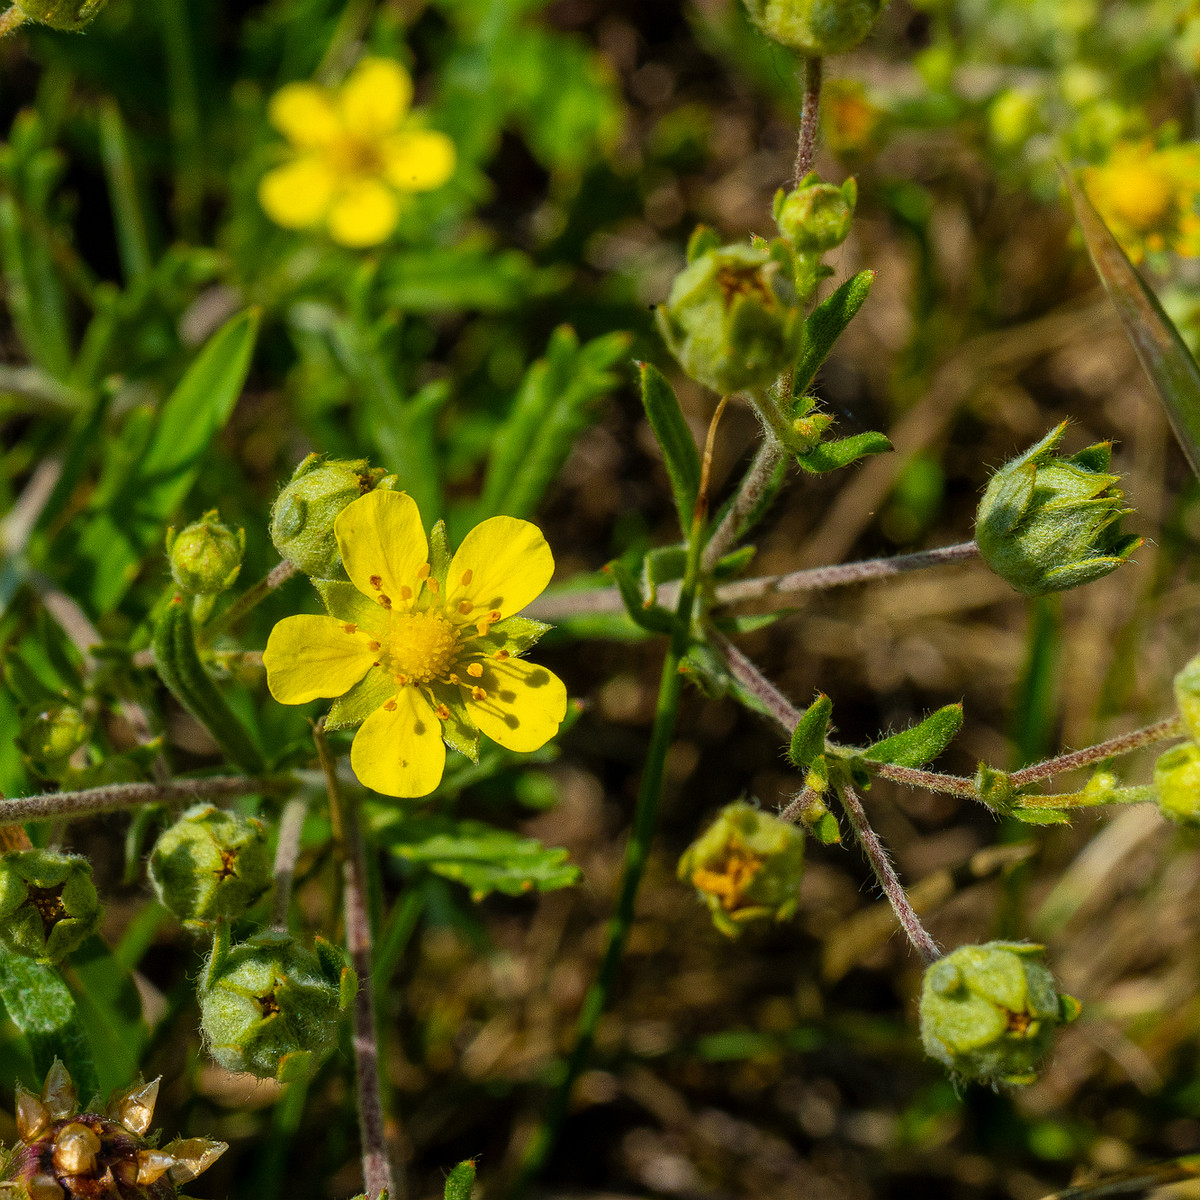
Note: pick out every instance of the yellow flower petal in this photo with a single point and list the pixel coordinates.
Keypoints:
(364, 214)
(383, 543)
(297, 194)
(308, 657)
(523, 707)
(509, 564)
(304, 114)
(400, 752)
(419, 160)
(375, 97)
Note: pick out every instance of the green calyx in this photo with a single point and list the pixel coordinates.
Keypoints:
(206, 556)
(745, 867)
(731, 319)
(815, 217)
(48, 903)
(1177, 783)
(271, 1006)
(68, 15)
(1046, 524)
(989, 1012)
(815, 28)
(305, 510)
(211, 865)
(1187, 696)
(49, 736)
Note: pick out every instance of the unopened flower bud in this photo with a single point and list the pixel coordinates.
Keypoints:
(68, 15)
(816, 216)
(271, 1006)
(1046, 524)
(746, 867)
(48, 903)
(1187, 696)
(1177, 783)
(731, 320)
(989, 1012)
(211, 864)
(303, 516)
(49, 736)
(206, 556)
(815, 28)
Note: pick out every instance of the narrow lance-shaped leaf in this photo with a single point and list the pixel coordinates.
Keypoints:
(1168, 362)
(922, 743)
(830, 456)
(808, 738)
(680, 455)
(461, 1181)
(826, 324)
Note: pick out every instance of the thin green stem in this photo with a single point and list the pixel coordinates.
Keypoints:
(810, 116)
(1100, 798)
(184, 101)
(1124, 743)
(248, 599)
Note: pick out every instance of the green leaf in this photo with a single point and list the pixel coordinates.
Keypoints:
(922, 743)
(111, 1008)
(461, 1182)
(826, 324)
(1042, 816)
(808, 738)
(1168, 362)
(648, 615)
(556, 402)
(830, 456)
(159, 478)
(680, 454)
(478, 856)
(41, 1007)
(461, 278)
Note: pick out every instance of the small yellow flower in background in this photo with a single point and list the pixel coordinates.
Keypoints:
(423, 650)
(852, 123)
(1148, 197)
(355, 154)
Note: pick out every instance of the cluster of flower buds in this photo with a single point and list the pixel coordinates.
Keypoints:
(814, 218)
(746, 867)
(206, 555)
(815, 28)
(211, 865)
(305, 510)
(989, 1012)
(65, 1154)
(271, 1006)
(1046, 524)
(48, 903)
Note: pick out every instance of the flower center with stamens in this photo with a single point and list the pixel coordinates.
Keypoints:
(420, 647)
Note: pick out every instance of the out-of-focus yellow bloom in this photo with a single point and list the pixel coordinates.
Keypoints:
(1148, 197)
(423, 652)
(355, 154)
(853, 124)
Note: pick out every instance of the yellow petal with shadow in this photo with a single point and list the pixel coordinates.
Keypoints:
(399, 751)
(523, 707)
(510, 564)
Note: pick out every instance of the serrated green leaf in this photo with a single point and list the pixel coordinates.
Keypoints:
(826, 324)
(808, 738)
(680, 454)
(41, 1006)
(922, 743)
(831, 456)
(1162, 352)
(461, 1181)
(479, 856)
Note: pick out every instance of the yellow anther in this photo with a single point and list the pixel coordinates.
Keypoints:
(500, 655)
(475, 671)
(478, 694)
(386, 601)
(390, 705)
(373, 646)
(483, 628)
(423, 572)
(466, 577)
(350, 628)
(443, 713)
(377, 582)
(405, 592)
(433, 586)
(465, 606)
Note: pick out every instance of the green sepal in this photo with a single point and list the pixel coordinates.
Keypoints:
(817, 777)
(344, 602)
(458, 732)
(808, 738)
(294, 1066)
(664, 564)
(825, 325)
(830, 456)
(994, 789)
(461, 1181)
(217, 955)
(680, 454)
(1068, 1008)
(826, 830)
(648, 615)
(706, 669)
(330, 959)
(347, 988)
(703, 240)
(734, 563)
(517, 635)
(440, 555)
(922, 743)
(1094, 458)
(352, 708)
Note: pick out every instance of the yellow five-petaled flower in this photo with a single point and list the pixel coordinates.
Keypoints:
(422, 652)
(355, 154)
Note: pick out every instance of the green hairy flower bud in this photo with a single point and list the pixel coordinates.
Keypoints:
(1187, 696)
(1177, 783)
(816, 216)
(48, 903)
(731, 320)
(815, 28)
(746, 867)
(50, 736)
(1046, 524)
(68, 15)
(211, 864)
(989, 1012)
(206, 556)
(303, 516)
(270, 1006)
